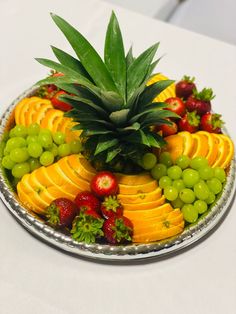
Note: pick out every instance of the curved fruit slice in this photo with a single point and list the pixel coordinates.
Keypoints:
(200, 146)
(34, 111)
(221, 151)
(18, 108)
(139, 179)
(27, 201)
(25, 110)
(135, 189)
(81, 166)
(140, 197)
(212, 146)
(188, 142)
(142, 206)
(230, 151)
(50, 117)
(56, 123)
(175, 145)
(167, 93)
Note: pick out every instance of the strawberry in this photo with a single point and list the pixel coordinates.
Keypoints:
(200, 101)
(167, 129)
(104, 184)
(61, 212)
(118, 230)
(211, 122)
(87, 227)
(58, 104)
(185, 87)
(175, 105)
(51, 87)
(189, 122)
(111, 207)
(87, 201)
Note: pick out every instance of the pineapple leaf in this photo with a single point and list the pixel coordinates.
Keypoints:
(119, 117)
(138, 70)
(152, 118)
(111, 101)
(105, 142)
(149, 109)
(88, 56)
(134, 127)
(111, 154)
(129, 57)
(114, 55)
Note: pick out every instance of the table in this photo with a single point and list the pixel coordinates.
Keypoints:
(35, 278)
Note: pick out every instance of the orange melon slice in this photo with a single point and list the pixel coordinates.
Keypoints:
(27, 201)
(142, 206)
(137, 189)
(140, 197)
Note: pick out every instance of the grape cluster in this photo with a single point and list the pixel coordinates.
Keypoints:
(28, 148)
(189, 184)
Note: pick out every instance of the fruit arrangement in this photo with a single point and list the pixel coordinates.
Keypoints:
(107, 152)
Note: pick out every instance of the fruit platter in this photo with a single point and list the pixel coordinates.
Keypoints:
(109, 159)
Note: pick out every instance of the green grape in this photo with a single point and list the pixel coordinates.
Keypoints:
(58, 138)
(5, 151)
(32, 139)
(201, 206)
(190, 213)
(170, 193)
(19, 170)
(34, 164)
(165, 158)
(206, 172)
(64, 150)
(219, 174)
(214, 185)
(7, 162)
(35, 150)
(178, 184)
(76, 147)
(34, 129)
(45, 131)
(12, 133)
(2, 148)
(148, 161)
(198, 162)
(187, 196)
(158, 171)
(54, 149)
(20, 130)
(177, 203)
(19, 155)
(164, 182)
(183, 161)
(211, 198)
(174, 172)
(5, 136)
(45, 139)
(201, 190)
(47, 158)
(15, 142)
(190, 177)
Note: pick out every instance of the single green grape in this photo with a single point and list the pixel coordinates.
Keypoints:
(219, 174)
(35, 150)
(15, 142)
(20, 130)
(164, 182)
(148, 161)
(201, 190)
(158, 171)
(198, 162)
(58, 137)
(201, 206)
(183, 161)
(174, 172)
(64, 150)
(178, 184)
(76, 147)
(54, 149)
(32, 139)
(34, 164)
(206, 172)
(20, 169)
(12, 133)
(33, 129)
(170, 193)
(5, 136)
(190, 177)
(187, 196)
(165, 158)
(7, 162)
(177, 203)
(190, 213)
(214, 185)
(45, 139)
(19, 155)
(45, 131)
(47, 158)
(211, 198)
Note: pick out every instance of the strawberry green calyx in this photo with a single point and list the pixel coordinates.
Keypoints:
(205, 95)
(111, 203)
(87, 228)
(193, 118)
(188, 79)
(216, 120)
(121, 231)
(52, 215)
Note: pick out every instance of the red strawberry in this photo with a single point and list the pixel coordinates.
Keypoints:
(189, 122)
(200, 101)
(118, 230)
(167, 129)
(175, 105)
(61, 212)
(51, 87)
(211, 122)
(185, 87)
(87, 201)
(58, 104)
(104, 184)
(87, 227)
(111, 207)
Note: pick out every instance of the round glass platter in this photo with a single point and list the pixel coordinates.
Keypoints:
(97, 251)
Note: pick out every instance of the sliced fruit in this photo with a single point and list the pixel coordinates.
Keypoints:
(18, 108)
(36, 111)
(142, 206)
(50, 117)
(200, 145)
(134, 189)
(81, 166)
(27, 201)
(167, 93)
(139, 179)
(221, 149)
(175, 145)
(140, 197)
(56, 124)
(212, 146)
(230, 151)
(188, 142)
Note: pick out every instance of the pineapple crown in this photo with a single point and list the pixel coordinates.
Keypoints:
(112, 104)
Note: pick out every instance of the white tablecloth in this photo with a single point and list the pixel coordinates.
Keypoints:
(35, 278)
